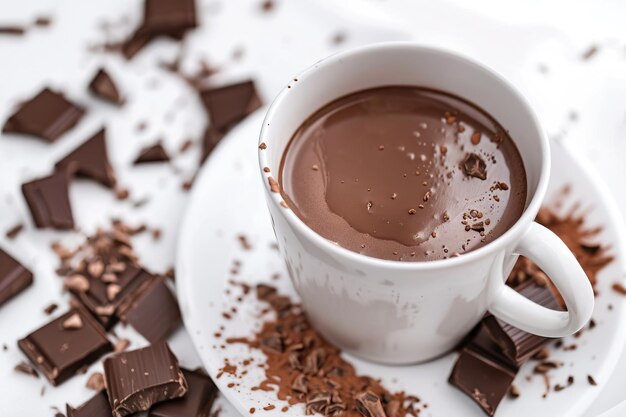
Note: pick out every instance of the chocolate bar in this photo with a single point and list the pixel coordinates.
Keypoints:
(138, 379)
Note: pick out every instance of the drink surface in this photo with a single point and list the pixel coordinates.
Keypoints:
(404, 173)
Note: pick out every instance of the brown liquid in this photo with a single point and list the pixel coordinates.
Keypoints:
(404, 173)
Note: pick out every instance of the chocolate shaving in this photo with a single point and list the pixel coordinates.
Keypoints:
(369, 405)
(26, 369)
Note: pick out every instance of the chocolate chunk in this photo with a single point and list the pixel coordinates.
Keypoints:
(59, 352)
(474, 166)
(138, 379)
(47, 116)
(154, 153)
(49, 202)
(152, 311)
(103, 86)
(484, 380)
(517, 344)
(210, 140)
(14, 277)
(228, 105)
(96, 297)
(97, 406)
(196, 403)
(90, 160)
(165, 17)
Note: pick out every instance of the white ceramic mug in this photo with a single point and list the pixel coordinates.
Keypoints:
(405, 312)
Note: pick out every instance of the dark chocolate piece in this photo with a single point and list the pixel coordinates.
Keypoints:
(104, 87)
(97, 406)
(166, 17)
(49, 202)
(138, 379)
(154, 153)
(228, 105)
(517, 344)
(14, 277)
(65, 345)
(152, 311)
(474, 166)
(90, 160)
(47, 116)
(484, 380)
(98, 297)
(196, 403)
(210, 140)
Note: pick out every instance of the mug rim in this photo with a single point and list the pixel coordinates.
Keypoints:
(513, 233)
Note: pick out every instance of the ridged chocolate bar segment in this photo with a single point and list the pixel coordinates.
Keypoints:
(65, 345)
(96, 406)
(138, 379)
(14, 277)
(196, 403)
(517, 344)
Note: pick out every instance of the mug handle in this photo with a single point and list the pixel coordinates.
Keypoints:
(549, 252)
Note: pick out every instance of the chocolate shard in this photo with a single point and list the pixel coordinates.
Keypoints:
(165, 17)
(138, 379)
(49, 202)
(47, 116)
(517, 344)
(196, 403)
(90, 160)
(474, 166)
(228, 105)
(210, 140)
(14, 277)
(150, 154)
(152, 310)
(97, 406)
(103, 86)
(96, 298)
(483, 379)
(59, 352)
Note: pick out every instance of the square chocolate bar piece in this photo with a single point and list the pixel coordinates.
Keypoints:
(47, 116)
(65, 345)
(167, 17)
(14, 278)
(138, 379)
(97, 406)
(196, 403)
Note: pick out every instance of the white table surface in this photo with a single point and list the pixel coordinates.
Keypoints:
(515, 38)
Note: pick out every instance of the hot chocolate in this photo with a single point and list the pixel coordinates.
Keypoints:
(404, 173)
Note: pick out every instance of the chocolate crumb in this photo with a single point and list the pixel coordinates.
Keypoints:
(590, 52)
(14, 231)
(262, 146)
(619, 288)
(273, 185)
(591, 380)
(95, 382)
(50, 309)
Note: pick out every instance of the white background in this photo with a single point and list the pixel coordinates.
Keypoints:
(518, 39)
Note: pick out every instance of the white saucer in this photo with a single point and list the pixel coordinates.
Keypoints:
(228, 200)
